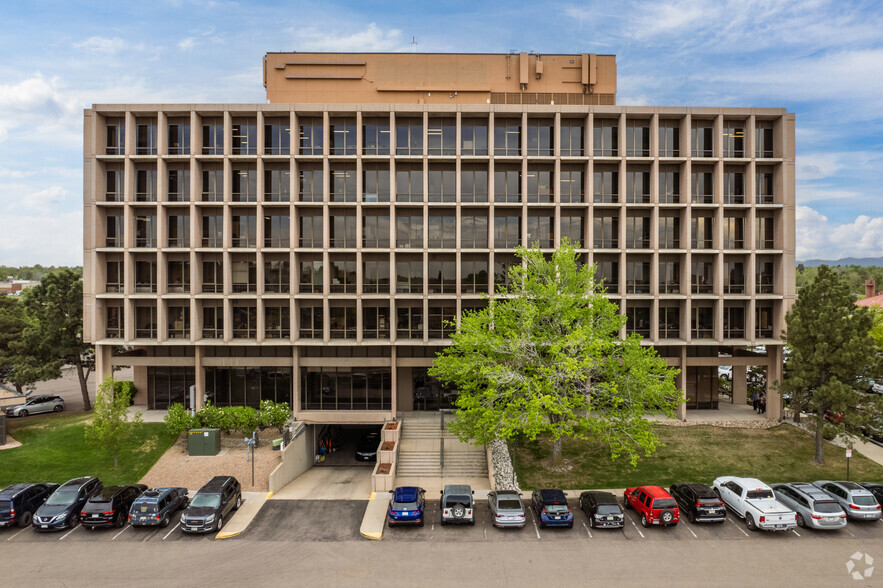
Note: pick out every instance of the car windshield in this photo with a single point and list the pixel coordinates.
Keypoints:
(404, 506)
(608, 509)
(864, 500)
(827, 507)
(205, 500)
(452, 500)
(758, 494)
(62, 498)
(509, 504)
(664, 503)
(709, 501)
(556, 509)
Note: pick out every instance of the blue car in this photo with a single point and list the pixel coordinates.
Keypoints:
(157, 507)
(551, 508)
(406, 506)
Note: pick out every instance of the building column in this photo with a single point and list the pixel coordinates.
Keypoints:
(681, 383)
(199, 378)
(103, 365)
(774, 375)
(740, 385)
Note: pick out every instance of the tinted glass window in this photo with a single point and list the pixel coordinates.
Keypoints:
(5, 505)
(62, 498)
(758, 494)
(828, 507)
(509, 504)
(708, 501)
(664, 503)
(865, 500)
(452, 500)
(608, 509)
(556, 509)
(404, 506)
(206, 500)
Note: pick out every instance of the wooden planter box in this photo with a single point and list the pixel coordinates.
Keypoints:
(387, 453)
(383, 482)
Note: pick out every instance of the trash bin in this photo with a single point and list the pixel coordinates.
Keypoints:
(202, 442)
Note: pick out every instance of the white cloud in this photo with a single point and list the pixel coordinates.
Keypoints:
(819, 238)
(51, 239)
(101, 45)
(38, 104)
(371, 39)
(187, 44)
(45, 200)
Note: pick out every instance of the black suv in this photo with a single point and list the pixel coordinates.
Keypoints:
(19, 502)
(110, 507)
(157, 506)
(62, 509)
(216, 500)
(875, 489)
(602, 509)
(699, 502)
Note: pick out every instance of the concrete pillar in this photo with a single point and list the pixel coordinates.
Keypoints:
(199, 377)
(740, 385)
(103, 366)
(681, 383)
(773, 378)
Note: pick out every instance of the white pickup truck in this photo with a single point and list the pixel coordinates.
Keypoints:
(755, 502)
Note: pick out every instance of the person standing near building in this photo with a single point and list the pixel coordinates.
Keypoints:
(762, 404)
(754, 400)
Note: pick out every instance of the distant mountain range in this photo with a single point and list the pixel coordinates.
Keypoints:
(863, 261)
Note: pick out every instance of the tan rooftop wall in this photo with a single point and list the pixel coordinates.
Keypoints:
(419, 78)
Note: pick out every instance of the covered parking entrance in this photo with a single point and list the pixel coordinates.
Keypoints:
(347, 445)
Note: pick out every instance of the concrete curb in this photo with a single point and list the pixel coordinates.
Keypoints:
(375, 518)
(239, 522)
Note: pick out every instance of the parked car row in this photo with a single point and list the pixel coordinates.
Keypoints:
(87, 501)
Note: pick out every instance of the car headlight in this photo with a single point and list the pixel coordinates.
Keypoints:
(210, 519)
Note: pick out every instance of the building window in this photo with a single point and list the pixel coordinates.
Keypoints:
(310, 229)
(375, 183)
(245, 136)
(442, 230)
(572, 137)
(763, 232)
(277, 184)
(442, 321)
(763, 321)
(637, 139)
(473, 183)
(114, 322)
(473, 231)
(213, 136)
(114, 231)
(669, 276)
(245, 320)
(637, 186)
(342, 132)
(734, 232)
(245, 185)
(503, 263)
(573, 227)
(442, 274)
(375, 322)
(540, 137)
(178, 276)
(113, 279)
(342, 322)
(606, 137)
(277, 136)
(734, 139)
(734, 187)
(669, 322)
(375, 136)
(473, 275)
(702, 138)
(637, 232)
(213, 184)
(734, 277)
(507, 183)
(277, 228)
(212, 277)
(342, 184)
(637, 277)
(375, 276)
(343, 276)
(763, 139)
(442, 183)
(473, 136)
(114, 185)
(145, 230)
(145, 322)
(734, 322)
(606, 232)
(539, 230)
(310, 183)
(145, 138)
(669, 184)
(178, 230)
(277, 276)
(244, 229)
(245, 274)
(311, 277)
(179, 137)
(764, 186)
(212, 229)
(669, 138)
(669, 232)
(375, 230)
(638, 320)
(702, 232)
(310, 130)
(179, 185)
(409, 183)
(539, 185)
(145, 277)
(507, 136)
(571, 184)
(608, 275)
(441, 136)
(145, 185)
(178, 323)
(115, 136)
(606, 188)
(409, 136)
(277, 322)
(409, 229)
(507, 230)
(311, 322)
(409, 322)
(347, 388)
(702, 324)
(409, 276)
(702, 187)
(342, 229)
(703, 277)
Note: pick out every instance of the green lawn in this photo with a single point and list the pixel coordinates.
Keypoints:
(691, 454)
(54, 450)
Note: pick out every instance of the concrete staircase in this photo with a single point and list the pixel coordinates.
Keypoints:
(420, 449)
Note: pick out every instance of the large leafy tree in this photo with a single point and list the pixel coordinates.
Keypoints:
(110, 427)
(12, 324)
(545, 358)
(54, 310)
(832, 354)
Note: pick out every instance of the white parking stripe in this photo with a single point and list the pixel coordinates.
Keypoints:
(738, 527)
(850, 533)
(534, 520)
(68, 533)
(795, 532)
(692, 533)
(636, 528)
(17, 534)
(587, 531)
(485, 531)
(172, 531)
(121, 532)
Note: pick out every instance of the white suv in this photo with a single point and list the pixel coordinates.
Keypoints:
(457, 504)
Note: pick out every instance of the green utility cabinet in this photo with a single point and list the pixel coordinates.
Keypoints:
(204, 441)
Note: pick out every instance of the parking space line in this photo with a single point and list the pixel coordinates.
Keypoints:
(636, 528)
(850, 533)
(795, 532)
(587, 531)
(17, 534)
(692, 533)
(485, 531)
(172, 531)
(738, 527)
(68, 533)
(120, 533)
(535, 528)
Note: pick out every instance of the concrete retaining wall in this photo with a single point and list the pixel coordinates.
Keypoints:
(297, 457)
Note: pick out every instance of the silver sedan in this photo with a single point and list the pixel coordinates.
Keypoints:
(36, 405)
(507, 508)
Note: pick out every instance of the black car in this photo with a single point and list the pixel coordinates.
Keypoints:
(602, 508)
(211, 505)
(366, 450)
(110, 507)
(875, 489)
(156, 507)
(62, 509)
(19, 502)
(698, 502)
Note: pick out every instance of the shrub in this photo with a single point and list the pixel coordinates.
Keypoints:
(830, 431)
(272, 414)
(179, 420)
(213, 417)
(242, 418)
(125, 387)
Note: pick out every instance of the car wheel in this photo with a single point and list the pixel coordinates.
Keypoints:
(238, 502)
(667, 517)
(121, 520)
(390, 524)
(75, 520)
(165, 522)
(570, 526)
(644, 522)
(25, 519)
(220, 522)
(420, 524)
(58, 408)
(542, 524)
(23, 413)
(749, 522)
(625, 502)
(472, 522)
(591, 521)
(459, 511)
(692, 517)
(801, 522)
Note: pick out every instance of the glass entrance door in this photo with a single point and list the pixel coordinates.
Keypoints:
(430, 394)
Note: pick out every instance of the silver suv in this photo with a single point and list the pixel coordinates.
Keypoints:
(857, 501)
(814, 507)
(457, 505)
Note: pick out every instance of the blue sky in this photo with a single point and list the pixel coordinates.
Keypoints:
(821, 59)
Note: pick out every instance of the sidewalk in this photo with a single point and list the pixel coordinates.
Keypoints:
(251, 504)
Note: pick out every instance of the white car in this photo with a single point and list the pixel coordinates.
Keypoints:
(36, 405)
(754, 501)
(725, 372)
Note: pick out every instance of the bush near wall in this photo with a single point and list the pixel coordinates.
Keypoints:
(125, 386)
(243, 419)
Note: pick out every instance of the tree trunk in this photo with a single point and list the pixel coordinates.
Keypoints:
(556, 452)
(18, 388)
(87, 406)
(820, 440)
